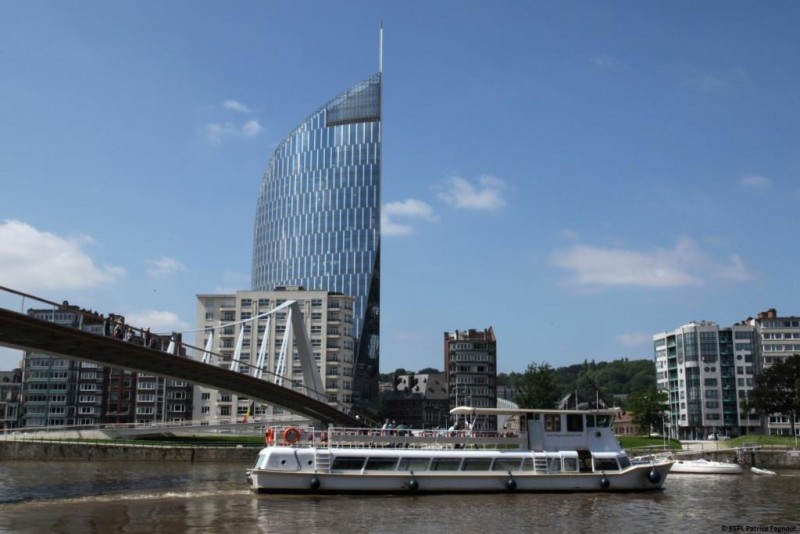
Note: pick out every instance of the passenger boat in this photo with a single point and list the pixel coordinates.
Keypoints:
(553, 451)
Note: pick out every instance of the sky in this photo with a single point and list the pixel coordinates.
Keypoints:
(577, 175)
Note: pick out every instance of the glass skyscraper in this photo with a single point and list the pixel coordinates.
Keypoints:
(318, 217)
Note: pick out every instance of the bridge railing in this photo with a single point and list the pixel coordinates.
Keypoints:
(114, 326)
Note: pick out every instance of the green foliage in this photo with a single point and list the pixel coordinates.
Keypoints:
(777, 390)
(648, 407)
(619, 377)
(537, 388)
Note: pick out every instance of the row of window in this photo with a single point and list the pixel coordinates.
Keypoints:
(549, 463)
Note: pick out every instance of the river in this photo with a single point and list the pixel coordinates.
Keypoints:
(114, 496)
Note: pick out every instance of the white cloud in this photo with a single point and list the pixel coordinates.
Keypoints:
(158, 321)
(755, 182)
(635, 339)
(217, 131)
(237, 106)
(251, 128)
(683, 265)
(33, 260)
(163, 267)
(486, 195)
(409, 209)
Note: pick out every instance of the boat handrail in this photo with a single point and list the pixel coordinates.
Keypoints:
(342, 437)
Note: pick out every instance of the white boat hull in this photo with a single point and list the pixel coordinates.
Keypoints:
(705, 467)
(633, 478)
(760, 471)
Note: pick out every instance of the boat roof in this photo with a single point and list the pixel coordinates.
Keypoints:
(469, 410)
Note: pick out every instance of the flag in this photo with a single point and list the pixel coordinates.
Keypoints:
(250, 410)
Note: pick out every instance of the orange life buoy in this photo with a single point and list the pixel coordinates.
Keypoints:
(269, 437)
(292, 435)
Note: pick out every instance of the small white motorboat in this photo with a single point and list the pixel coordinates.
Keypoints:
(701, 466)
(762, 471)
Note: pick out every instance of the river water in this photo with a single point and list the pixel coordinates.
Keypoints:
(70, 497)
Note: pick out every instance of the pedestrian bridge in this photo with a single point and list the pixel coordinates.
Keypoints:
(22, 331)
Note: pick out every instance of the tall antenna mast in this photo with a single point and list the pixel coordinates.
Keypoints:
(380, 49)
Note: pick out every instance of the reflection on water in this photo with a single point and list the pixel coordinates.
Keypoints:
(162, 497)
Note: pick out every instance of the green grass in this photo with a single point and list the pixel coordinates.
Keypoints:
(641, 444)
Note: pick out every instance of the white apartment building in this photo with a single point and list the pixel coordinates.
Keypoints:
(237, 325)
(707, 372)
(778, 337)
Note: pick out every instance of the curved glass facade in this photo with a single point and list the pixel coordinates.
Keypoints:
(318, 217)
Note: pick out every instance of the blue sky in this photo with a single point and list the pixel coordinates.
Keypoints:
(577, 175)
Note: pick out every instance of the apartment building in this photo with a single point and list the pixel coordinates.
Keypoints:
(243, 330)
(470, 362)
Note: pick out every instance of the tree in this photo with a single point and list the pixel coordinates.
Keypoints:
(537, 388)
(648, 408)
(777, 390)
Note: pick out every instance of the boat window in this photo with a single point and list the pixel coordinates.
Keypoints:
(413, 464)
(603, 421)
(477, 464)
(590, 421)
(506, 464)
(445, 464)
(555, 464)
(552, 422)
(348, 463)
(570, 464)
(527, 464)
(605, 464)
(574, 422)
(381, 464)
(624, 462)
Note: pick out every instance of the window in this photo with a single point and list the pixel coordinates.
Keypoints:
(413, 464)
(506, 464)
(381, 464)
(552, 422)
(574, 422)
(445, 464)
(348, 463)
(480, 464)
(605, 464)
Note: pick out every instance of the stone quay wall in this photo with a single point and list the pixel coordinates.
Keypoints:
(54, 450)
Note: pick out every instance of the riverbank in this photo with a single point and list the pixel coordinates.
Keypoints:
(56, 450)
(193, 452)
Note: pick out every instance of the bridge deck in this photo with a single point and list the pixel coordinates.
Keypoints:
(28, 333)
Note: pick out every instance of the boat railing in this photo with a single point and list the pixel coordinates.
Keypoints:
(341, 437)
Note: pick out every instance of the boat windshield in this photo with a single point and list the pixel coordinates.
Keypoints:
(600, 421)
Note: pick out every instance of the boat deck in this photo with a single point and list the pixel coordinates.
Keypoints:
(344, 438)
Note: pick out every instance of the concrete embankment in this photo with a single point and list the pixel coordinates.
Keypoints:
(54, 450)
